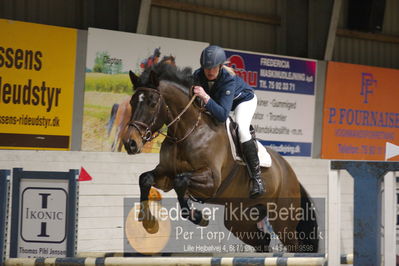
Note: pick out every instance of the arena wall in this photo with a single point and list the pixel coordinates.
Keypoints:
(115, 176)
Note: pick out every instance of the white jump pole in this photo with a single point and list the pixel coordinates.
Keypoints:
(390, 219)
(334, 218)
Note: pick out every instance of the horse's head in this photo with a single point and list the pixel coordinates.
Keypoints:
(170, 59)
(147, 114)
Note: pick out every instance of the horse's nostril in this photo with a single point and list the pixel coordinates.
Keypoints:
(133, 146)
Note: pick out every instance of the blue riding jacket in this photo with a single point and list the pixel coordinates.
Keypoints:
(227, 92)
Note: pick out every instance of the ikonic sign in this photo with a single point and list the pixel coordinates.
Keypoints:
(45, 217)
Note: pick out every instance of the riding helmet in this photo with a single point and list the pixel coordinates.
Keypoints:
(212, 56)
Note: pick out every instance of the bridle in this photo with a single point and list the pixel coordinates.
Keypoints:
(145, 129)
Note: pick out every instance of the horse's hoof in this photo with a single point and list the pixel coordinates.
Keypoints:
(203, 222)
(151, 226)
(199, 219)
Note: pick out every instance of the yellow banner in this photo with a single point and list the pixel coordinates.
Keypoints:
(37, 72)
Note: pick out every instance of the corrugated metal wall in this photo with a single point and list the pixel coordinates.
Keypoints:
(368, 52)
(66, 13)
(81, 14)
(259, 37)
(229, 33)
(391, 19)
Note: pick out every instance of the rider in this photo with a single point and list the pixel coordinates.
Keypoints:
(222, 91)
(152, 60)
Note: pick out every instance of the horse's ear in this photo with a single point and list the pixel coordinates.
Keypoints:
(134, 79)
(154, 79)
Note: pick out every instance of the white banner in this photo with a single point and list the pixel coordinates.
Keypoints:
(285, 87)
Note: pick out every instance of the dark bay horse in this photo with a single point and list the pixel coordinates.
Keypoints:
(121, 113)
(196, 161)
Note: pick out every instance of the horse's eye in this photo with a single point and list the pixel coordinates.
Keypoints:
(152, 101)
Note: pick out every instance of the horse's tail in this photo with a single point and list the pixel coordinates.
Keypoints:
(307, 228)
(111, 120)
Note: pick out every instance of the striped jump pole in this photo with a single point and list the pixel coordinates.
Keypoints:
(169, 261)
(345, 258)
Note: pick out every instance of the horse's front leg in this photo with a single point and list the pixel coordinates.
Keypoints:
(181, 183)
(150, 223)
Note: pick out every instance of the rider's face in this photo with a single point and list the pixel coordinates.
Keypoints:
(211, 73)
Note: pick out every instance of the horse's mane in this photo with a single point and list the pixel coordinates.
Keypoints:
(168, 72)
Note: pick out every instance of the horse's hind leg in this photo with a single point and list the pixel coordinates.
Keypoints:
(245, 228)
(288, 235)
(307, 226)
(284, 226)
(181, 183)
(251, 235)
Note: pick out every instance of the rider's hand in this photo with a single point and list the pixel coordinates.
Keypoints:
(200, 92)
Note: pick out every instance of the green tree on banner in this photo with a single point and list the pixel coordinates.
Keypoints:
(100, 64)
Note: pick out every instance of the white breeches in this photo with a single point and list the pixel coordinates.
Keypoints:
(243, 114)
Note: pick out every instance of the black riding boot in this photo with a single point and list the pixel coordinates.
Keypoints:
(250, 152)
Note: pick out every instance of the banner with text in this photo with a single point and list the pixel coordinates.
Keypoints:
(110, 56)
(37, 73)
(44, 212)
(361, 114)
(285, 88)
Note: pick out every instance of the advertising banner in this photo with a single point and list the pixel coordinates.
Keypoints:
(37, 72)
(43, 214)
(361, 115)
(285, 88)
(110, 56)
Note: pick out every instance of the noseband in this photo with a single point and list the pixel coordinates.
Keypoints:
(145, 130)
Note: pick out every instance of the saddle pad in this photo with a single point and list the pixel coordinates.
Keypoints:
(264, 157)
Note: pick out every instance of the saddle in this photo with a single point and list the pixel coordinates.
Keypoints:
(232, 131)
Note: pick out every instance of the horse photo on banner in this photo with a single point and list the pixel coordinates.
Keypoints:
(110, 57)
